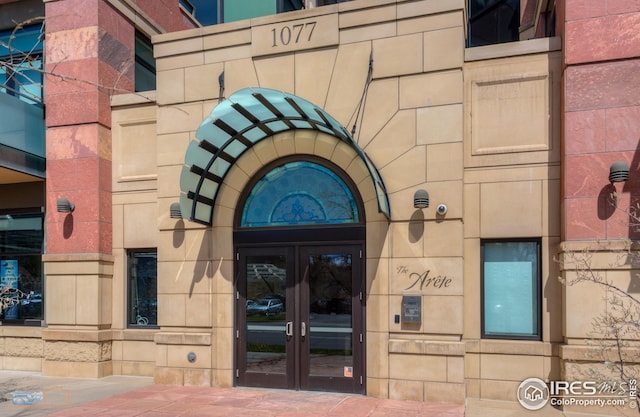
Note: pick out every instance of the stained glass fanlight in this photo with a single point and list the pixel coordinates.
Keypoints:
(299, 193)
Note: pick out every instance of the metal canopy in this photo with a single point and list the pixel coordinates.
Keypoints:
(238, 123)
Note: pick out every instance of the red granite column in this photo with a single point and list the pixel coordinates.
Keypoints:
(89, 56)
(601, 125)
(601, 116)
(89, 48)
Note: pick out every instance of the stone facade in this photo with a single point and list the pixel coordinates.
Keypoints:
(429, 107)
(515, 139)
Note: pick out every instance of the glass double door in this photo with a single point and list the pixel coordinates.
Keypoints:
(299, 318)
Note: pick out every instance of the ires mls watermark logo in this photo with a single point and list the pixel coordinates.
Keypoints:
(534, 393)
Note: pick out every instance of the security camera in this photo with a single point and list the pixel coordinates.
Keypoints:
(441, 209)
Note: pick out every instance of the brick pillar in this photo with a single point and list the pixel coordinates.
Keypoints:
(90, 51)
(601, 116)
(601, 125)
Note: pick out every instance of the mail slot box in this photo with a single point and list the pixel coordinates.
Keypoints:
(411, 309)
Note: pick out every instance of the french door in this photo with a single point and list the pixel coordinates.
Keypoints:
(299, 317)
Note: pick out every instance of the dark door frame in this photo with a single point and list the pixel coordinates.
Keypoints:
(292, 244)
(273, 380)
(324, 383)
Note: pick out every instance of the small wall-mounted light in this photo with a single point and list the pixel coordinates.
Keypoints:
(174, 211)
(619, 172)
(65, 206)
(421, 199)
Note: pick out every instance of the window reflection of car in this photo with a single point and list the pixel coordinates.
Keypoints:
(265, 306)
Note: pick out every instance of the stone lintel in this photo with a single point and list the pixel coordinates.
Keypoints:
(75, 335)
(512, 347)
(425, 347)
(76, 257)
(134, 334)
(198, 339)
(598, 245)
(20, 331)
(631, 354)
(78, 264)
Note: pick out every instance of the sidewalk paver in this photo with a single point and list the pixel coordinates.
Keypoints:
(119, 396)
(174, 401)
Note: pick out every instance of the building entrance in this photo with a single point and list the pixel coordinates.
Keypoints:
(299, 243)
(299, 317)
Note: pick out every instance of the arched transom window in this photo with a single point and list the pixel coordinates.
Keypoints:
(299, 193)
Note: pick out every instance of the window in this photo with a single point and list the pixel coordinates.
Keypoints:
(290, 5)
(209, 12)
(298, 193)
(21, 63)
(206, 11)
(145, 73)
(21, 278)
(493, 21)
(511, 289)
(188, 6)
(233, 10)
(143, 288)
(327, 2)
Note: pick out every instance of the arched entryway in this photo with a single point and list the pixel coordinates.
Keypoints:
(248, 135)
(299, 239)
(239, 124)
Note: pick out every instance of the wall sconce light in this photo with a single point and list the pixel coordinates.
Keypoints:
(65, 206)
(421, 199)
(174, 211)
(619, 172)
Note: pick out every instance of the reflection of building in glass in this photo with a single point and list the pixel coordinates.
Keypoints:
(21, 240)
(265, 271)
(294, 136)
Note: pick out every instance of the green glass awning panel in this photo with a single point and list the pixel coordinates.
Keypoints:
(235, 125)
(254, 135)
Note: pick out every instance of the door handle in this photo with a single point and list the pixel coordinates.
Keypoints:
(288, 328)
(303, 329)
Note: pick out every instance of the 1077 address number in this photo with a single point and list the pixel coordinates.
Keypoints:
(297, 33)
